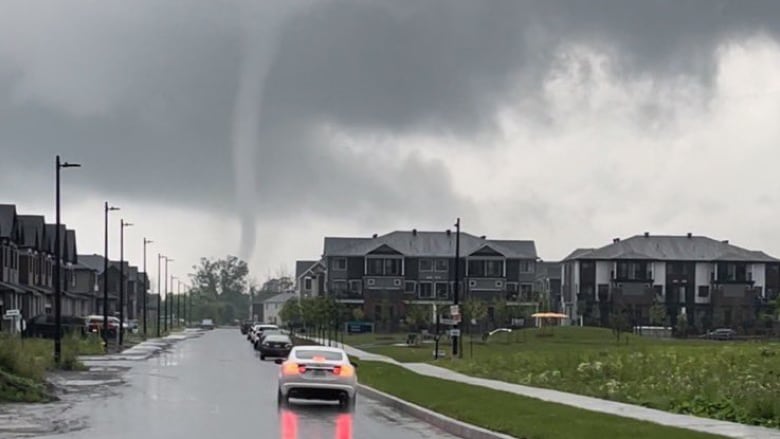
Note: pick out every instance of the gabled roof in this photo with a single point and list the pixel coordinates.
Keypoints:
(673, 248)
(32, 231)
(50, 237)
(7, 221)
(427, 244)
(71, 255)
(302, 267)
(579, 253)
(94, 262)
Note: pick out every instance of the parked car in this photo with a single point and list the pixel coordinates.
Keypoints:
(256, 331)
(246, 325)
(131, 326)
(94, 323)
(721, 334)
(43, 326)
(263, 333)
(275, 345)
(207, 324)
(319, 373)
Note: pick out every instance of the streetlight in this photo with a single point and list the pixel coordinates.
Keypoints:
(172, 307)
(106, 209)
(159, 294)
(122, 226)
(455, 295)
(57, 262)
(165, 320)
(146, 283)
(178, 304)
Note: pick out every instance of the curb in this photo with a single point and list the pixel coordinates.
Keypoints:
(444, 423)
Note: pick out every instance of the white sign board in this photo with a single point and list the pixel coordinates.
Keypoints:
(13, 313)
(454, 332)
(454, 309)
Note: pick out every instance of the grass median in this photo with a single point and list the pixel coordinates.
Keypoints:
(24, 363)
(731, 381)
(504, 412)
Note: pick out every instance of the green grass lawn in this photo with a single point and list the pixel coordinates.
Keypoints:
(729, 381)
(508, 413)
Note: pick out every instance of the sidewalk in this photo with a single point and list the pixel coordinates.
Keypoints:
(712, 426)
(145, 349)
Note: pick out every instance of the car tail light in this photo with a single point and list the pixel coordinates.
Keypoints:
(344, 371)
(292, 369)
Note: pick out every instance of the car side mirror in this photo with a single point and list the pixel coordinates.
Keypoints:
(278, 361)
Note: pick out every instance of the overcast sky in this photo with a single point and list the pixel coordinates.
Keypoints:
(232, 127)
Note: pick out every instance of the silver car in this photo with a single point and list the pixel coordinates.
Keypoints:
(317, 373)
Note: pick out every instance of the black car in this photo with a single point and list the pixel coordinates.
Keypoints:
(265, 332)
(275, 345)
(246, 326)
(43, 326)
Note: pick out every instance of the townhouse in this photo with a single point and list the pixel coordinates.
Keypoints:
(309, 278)
(710, 283)
(382, 274)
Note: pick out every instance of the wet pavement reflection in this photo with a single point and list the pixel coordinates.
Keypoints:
(216, 386)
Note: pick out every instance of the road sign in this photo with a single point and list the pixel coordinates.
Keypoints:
(13, 313)
(454, 309)
(454, 332)
(456, 318)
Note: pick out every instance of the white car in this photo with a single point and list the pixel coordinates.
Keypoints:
(317, 373)
(254, 333)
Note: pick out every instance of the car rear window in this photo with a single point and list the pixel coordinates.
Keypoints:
(278, 338)
(310, 354)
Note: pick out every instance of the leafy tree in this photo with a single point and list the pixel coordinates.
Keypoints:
(417, 316)
(500, 312)
(358, 314)
(290, 312)
(474, 309)
(657, 314)
(221, 288)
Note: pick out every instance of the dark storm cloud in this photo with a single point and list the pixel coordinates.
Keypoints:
(144, 97)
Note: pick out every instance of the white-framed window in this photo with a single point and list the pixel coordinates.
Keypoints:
(340, 264)
(486, 267)
(426, 265)
(425, 290)
(356, 286)
(307, 283)
(527, 266)
(442, 290)
(384, 266)
(442, 265)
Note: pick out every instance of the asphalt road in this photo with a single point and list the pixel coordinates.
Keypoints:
(217, 387)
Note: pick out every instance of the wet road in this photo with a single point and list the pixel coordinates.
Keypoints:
(217, 387)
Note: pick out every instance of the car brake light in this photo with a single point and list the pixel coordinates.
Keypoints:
(318, 358)
(291, 369)
(344, 371)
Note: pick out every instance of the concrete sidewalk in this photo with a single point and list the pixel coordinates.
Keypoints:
(145, 349)
(712, 426)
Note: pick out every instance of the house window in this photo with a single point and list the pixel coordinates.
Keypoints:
(307, 284)
(442, 290)
(494, 268)
(512, 287)
(384, 266)
(486, 268)
(339, 286)
(355, 286)
(340, 264)
(442, 265)
(425, 290)
(704, 291)
(410, 286)
(732, 272)
(426, 265)
(527, 266)
(633, 271)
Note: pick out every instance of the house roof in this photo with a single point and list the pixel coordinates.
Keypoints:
(550, 270)
(7, 220)
(32, 231)
(280, 298)
(673, 248)
(302, 267)
(431, 244)
(50, 236)
(94, 262)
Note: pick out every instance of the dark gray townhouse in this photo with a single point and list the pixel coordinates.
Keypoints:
(404, 267)
(309, 278)
(11, 293)
(712, 283)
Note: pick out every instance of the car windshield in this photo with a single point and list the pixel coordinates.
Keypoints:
(311, 354)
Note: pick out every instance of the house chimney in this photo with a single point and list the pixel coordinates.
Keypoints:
(647, 234)
(375, 236)
(725, 241)
(616, 240)
(414, 232)
(449, 232)
(483, 237)
(690, 235)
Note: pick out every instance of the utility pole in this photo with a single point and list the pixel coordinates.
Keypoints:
(146, 284)
(122, 226)
(165, 320)
(107, 209)
(456, 295)
(58, 262)
(159, 295)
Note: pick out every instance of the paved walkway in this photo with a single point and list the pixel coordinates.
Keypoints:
(723, 428)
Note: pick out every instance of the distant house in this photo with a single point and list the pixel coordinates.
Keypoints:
(35, 265)
(11, 293)
(273, 306)
(309, 278)
(548, 284)
(96, 262)
(712, 283)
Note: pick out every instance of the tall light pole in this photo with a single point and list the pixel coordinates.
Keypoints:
(105, 273)
(455, 295)
(172, 307)
(178, 304)
(159, 294)
(146, 283)
(57, 262)
(122, 226)
(165, 319)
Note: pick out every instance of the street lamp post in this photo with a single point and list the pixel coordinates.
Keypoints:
(455, 295)
(178, 304)
(57, 263)
(165, 319)
(159, 295)
(146, 283)
(122, 226)
(106, 209)
(172, 306)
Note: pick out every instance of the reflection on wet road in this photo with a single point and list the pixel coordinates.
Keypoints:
(216, 386)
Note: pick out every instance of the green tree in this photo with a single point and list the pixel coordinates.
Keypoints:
(417, 316)
(290, 312)
(657, 314)
(500, 312)
(221, 287)
(358, 314)
(474, 309)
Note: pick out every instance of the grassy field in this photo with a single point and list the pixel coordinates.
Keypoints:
(730, 381)
(24, 363)
(508, 413)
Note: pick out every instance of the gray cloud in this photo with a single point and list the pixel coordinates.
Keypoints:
(144, 96)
